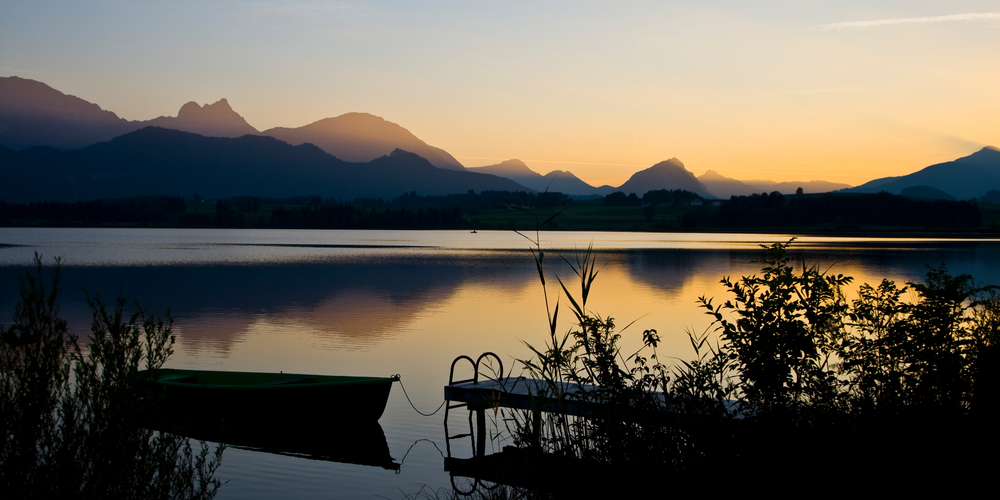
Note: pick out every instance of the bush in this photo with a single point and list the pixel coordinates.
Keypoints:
(72, 417)
(799, 371)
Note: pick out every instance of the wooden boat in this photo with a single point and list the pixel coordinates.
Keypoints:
(245, 400)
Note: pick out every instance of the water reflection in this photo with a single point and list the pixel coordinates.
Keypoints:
(361, 443)
(411, 310)
(361, 303)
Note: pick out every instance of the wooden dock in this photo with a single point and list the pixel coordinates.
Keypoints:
(523, 394)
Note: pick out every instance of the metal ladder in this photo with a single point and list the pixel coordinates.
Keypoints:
(478, 440)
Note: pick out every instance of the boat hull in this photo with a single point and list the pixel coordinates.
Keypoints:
(245, 400)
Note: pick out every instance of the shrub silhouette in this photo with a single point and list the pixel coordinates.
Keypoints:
(798, 371)
(72, 417)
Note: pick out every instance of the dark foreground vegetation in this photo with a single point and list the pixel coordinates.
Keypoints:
(658, 210)
(894, 390)
(72, 416)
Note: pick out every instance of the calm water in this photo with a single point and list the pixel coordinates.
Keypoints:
(386, 302)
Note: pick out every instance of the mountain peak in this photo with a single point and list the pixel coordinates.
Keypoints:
(217, 111)
(673, 162)
(712, 175)
(361, 137)
(668, 174)
(215, 120)
(988, 157)
(512, 169)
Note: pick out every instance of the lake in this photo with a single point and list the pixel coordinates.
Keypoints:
(408, 302)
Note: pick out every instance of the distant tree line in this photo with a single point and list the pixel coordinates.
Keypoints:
(482, 200)
(139, 210)
(654, 197)
(879, 209)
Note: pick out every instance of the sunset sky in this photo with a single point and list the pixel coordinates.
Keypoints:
(845, 91)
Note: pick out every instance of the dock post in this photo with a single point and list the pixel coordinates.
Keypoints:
(481, 432)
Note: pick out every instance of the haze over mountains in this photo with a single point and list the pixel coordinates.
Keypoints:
(361, 137)
(725, 187)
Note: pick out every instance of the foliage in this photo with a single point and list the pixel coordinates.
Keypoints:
(921, 354)
(619, 199)
(798, 370)
(72, 417)
(670, 197)
(787, 323)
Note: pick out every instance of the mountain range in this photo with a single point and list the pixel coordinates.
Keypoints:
(725, 187)
(34, 114)
(157, 161)
(42, 128)
(559, 181)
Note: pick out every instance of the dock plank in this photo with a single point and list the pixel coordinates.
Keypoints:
(526, 394)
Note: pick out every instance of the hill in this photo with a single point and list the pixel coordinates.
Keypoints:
(669, 174)
(156, 161)
(725, 187)
(34, 114)
(360, 137)
(556, 181)
(965, 178)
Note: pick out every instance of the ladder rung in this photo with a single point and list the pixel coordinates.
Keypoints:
(456, 436)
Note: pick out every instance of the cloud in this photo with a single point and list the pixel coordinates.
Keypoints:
(859, 25)
(818, 91)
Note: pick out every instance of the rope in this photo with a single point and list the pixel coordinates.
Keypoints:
(411, 402)
(415, 443)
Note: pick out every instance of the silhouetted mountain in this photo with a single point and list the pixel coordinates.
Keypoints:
(563, 181)
(34, 114)
(213, 120)
(511, 169)
(789, 187)
(725, 187)
(926, 192)
(361, 137)
(155, 161)
(556, 181)
(965, 178)
(669, 174)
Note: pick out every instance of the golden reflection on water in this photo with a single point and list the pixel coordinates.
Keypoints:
(381, 331)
